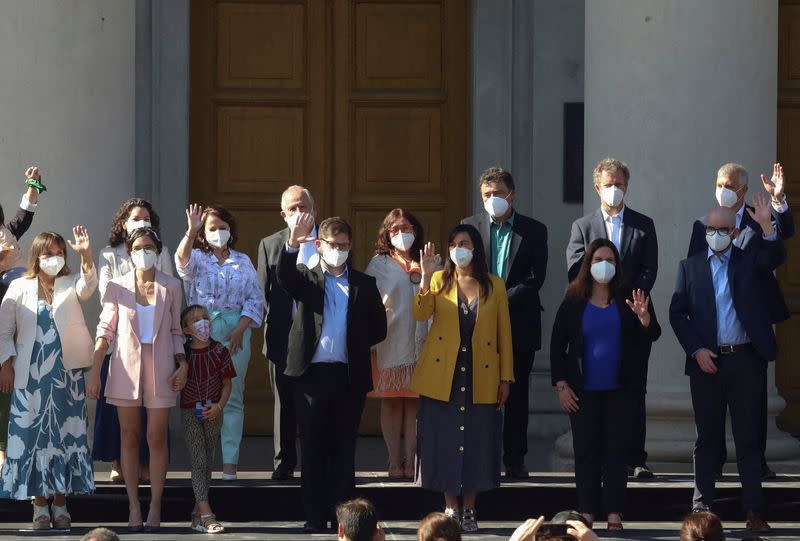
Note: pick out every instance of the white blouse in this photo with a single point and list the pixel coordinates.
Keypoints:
(230, 286)
(114, 262)
(145, 318)
(405, 336)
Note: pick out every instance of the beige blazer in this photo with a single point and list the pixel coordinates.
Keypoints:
(118, 324)
(18, 315)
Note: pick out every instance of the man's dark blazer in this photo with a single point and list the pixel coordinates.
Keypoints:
(566, 343)
(693, 311)
(366, 319)
(526, 271)
(638, 246)
(279, 302)
(749, 230)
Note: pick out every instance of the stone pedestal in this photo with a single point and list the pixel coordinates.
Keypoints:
(673, 90)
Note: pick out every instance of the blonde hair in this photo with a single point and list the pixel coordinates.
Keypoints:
(40, 244)
(611, 165)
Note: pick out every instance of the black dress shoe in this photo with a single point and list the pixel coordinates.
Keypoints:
(642, 472)
(313, 527)
(282, 474)
(767, 473)
(517, 472)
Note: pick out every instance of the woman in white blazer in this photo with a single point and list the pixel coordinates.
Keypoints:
(44, 349)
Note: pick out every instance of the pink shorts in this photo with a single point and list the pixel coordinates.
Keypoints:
(147, 387)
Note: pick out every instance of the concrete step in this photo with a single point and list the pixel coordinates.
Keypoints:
(395, 531)
(256, 497)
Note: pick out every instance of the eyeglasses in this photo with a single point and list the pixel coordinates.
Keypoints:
(722, 231)
(395, 229)
(337, 245)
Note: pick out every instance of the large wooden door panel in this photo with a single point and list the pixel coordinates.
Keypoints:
(787, 369)
(363, 102)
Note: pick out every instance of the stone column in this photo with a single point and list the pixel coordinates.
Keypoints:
(675, 89)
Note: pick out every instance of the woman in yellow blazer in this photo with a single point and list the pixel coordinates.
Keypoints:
(463, 374)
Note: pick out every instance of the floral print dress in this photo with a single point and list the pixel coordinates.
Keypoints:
(48, 449)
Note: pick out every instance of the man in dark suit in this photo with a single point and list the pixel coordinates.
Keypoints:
(340, 316)
(280, 308)
(634, 235)
(731, 189)
(722, 320)
(516, 250)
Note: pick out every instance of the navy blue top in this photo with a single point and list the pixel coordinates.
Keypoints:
(602, 345)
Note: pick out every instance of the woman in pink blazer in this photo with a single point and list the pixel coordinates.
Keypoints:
(141, 316)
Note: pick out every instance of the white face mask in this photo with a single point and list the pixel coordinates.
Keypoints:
(144, 259)
(461, 256)
(335, 258)
(727, 197)
(403, 241)
(218, 238)
(717, 242)
(612, 196)
(291, 221)
(496, 206)
(51, 265)
(133, 225)
(603, 272)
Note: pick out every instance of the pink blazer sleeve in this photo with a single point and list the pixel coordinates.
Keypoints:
(107, 326)
(176, 296)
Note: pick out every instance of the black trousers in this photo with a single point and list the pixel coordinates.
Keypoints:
(600, 439)
(284, 420)
(638, 454)
(515, 420)
(740, 385)
(329, 412)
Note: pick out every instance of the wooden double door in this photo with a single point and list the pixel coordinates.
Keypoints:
(363, 102)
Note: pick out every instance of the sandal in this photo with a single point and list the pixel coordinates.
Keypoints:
(469, 522)
(207, 524)
(115, 476)
(61, 517)
(615, 522)
(41, 517)
(589, 519)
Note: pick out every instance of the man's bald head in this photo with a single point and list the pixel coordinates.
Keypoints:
(722, 217)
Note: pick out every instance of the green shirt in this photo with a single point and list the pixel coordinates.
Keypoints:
(501, 246)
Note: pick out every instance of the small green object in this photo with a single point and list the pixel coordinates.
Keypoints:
(33, 183)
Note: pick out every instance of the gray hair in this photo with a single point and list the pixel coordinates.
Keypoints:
(294, 188)
(734, 170)
(100, 534)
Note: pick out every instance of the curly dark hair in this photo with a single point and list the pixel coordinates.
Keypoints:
(383, 246)
(118, 233)
(224, 215)
(480, 270)
(581, 286)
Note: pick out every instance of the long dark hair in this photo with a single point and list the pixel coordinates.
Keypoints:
(480, 271)
(383, 246)
(118, 233)
(581, 286)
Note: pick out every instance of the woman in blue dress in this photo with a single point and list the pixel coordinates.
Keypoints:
(44, 349)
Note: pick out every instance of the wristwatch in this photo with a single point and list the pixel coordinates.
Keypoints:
(560, 388)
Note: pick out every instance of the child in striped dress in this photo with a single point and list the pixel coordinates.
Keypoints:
(207, 389)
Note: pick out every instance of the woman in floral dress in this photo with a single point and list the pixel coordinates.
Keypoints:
(44, 349)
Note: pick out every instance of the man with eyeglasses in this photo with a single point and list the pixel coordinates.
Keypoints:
(280, 310)
(731, 189)
(516, 251)
(340, 316)
(720, 315)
